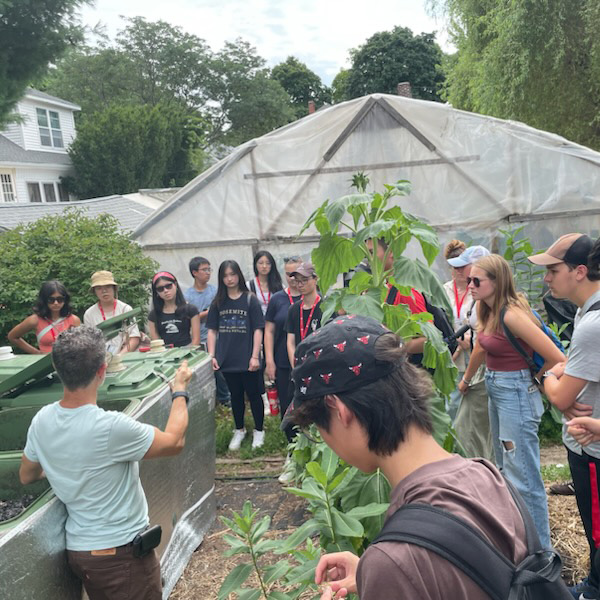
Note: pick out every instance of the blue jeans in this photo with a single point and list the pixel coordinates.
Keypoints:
(516, 410)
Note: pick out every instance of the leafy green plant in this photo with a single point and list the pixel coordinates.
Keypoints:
(69, 247)
(248, 537)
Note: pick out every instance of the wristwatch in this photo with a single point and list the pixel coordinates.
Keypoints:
(183, 394)
(547, 374)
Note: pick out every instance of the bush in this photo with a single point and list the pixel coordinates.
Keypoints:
(69, 248)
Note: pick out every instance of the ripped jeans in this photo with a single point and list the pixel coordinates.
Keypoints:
(516, 410)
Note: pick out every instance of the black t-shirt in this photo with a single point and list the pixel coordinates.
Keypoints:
(236, 321)
(175, 328)
(277, 313)
(292, 324)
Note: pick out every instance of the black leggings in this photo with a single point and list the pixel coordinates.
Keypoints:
(285, 391)
(249, 382)
(585, 470)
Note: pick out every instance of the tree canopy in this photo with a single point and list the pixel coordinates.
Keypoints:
(388, 58)
(301, 84)
(32, 34)
(131, 146)
(69, 248)
(537, 62)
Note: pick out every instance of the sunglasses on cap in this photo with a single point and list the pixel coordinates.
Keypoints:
(476, 281)
(162, 288)
(56, 299)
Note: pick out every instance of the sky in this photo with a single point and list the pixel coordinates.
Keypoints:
(318, 32)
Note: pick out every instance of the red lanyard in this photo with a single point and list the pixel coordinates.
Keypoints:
(292, 297)
(304, 330)
(102, 310)
(265, 300)
(460, 302)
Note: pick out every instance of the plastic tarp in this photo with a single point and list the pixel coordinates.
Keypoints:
(470, 174)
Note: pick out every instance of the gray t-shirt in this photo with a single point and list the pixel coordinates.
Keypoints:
(90, 457)
(584, 363)
(202, 301)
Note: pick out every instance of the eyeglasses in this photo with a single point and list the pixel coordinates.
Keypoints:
(206, 270)
(56, 299)
(301, 281)
(162, 288)
(476, 281)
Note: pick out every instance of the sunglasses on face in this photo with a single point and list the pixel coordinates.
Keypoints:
(56, 299)
(162, 288)
(476, 281)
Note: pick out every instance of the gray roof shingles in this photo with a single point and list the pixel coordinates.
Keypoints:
(49, 98)
(128, 213)
(13, 153)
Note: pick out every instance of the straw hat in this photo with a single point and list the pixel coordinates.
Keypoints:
(102, 278)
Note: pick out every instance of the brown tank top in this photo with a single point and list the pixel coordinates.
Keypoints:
(500, 355)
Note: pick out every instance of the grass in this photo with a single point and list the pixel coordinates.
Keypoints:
(553, 473)
(275, 440)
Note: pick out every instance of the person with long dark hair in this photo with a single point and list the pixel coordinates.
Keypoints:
(171, 317)
(51, 315)
(235, 325)
(267, 280)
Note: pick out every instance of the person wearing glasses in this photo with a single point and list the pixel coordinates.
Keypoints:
(51, 315)
(172, 318)
(104, 286)
(201, 295)
(515, 402)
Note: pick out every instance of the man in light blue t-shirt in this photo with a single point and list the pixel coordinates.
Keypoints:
(201, 295)
(90, 457)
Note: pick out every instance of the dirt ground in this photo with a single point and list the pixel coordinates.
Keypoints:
(208, 567)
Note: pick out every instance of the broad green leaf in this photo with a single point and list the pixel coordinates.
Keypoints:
(248, 594)
(345, 525)
(361, 280)
(237, 546)
(311, 219)
(374, 231)
(334, 255)
(329, 463)
(234, 580)
(427, 238)
(337, 480)
(309, 495)
(276, 571)
(368, 305)
(434, 337)
(336, 210)
(441, 420)
(415, 274)
(329, 304)
(298, 537)
(279, 596)
(317, 472)
(397, 319)
(370, 510)
(233, 526)
(260, 529)
(264, 546)
(304, 573)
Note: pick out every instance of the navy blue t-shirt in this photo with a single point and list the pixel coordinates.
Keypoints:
(277, 312)
(235, 321)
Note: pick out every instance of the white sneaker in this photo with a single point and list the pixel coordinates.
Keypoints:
(236, 440)
(266, 405)
(258, 439)
(287, 475)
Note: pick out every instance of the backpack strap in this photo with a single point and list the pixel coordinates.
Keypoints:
(455, 540)
(517, 346)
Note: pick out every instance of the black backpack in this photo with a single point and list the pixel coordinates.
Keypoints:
(440, 319)
(536, 577)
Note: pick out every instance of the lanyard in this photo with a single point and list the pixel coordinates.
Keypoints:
(304, 330)
(292, 297)
(102, 310)
(460, 302)
(265, 300)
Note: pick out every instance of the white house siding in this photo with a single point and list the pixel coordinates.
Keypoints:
(14, 132)
(31, 131)
(37, 175)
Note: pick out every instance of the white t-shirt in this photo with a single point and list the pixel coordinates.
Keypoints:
(90, 458)
(93, 316)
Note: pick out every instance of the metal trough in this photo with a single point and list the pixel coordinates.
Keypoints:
(180, 490)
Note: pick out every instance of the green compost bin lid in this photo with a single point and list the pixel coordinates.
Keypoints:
(22, 369)
(145, 373)
(111, 327)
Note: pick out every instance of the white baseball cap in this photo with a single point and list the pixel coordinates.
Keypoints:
(469, 256)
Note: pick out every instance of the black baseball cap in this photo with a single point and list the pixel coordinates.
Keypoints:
(339, 357)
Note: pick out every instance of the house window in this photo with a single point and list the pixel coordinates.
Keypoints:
(62, 192)
(49, 126)
(33, 189)
(7, 191)
(49, 192)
